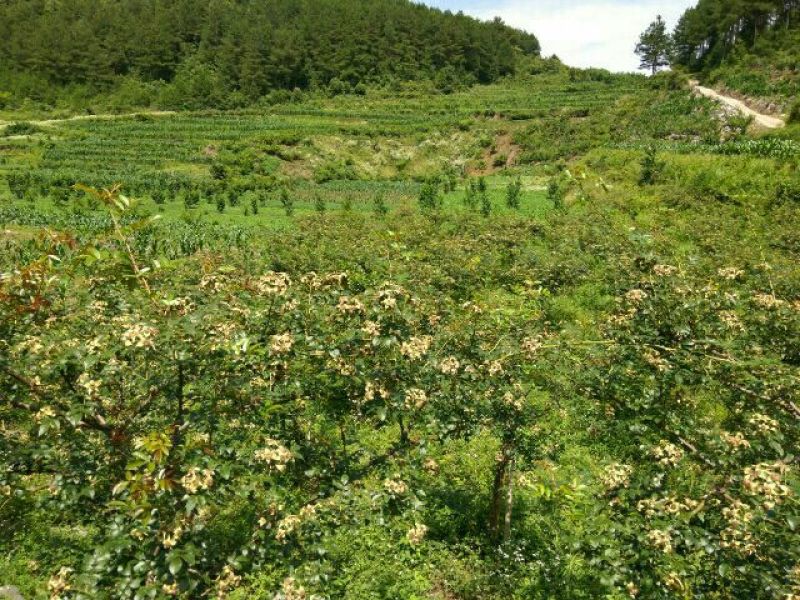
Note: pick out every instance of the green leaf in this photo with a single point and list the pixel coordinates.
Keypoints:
(175, 563)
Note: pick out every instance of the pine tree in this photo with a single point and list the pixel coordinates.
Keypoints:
(655, 46)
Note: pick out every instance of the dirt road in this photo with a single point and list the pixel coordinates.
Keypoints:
(760, 119)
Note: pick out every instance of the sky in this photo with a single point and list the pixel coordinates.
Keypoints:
(583, 33)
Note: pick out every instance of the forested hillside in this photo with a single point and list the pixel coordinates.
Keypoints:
(745, 46)
(209, 49)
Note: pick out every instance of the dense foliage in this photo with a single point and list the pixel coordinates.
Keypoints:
(749, 47)
(539, 339)
(190, 53)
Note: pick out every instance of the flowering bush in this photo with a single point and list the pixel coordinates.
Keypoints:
(509, 409)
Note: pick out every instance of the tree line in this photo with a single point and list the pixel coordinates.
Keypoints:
(248, 46)
(708, 33)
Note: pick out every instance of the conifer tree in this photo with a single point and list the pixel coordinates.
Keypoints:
(655, 46)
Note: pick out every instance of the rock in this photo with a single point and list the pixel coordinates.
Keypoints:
(10, 592)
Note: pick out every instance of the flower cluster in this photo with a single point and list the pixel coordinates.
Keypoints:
(736, 441)
(227, 581)
(273, 284)
(636, 296)
(291, 590)
(532, 345)
(736, 535)
(731, 320)
(763, 424)
(660, 539)
(89, 385)
(371, 329)
(766, 480)
(275, 455)
(287, 526)
(768, 301)
(416, 535)
(181, 305)
(665, 270)
(373, 390)
(416, 399)
(450, 365)
(512, 401)
(730, 273)
(60, 583)
(170, 539)
(668, 506)
(395, 486)
(197, 479)
(139, 335)
(416, 347)
(281, 344)
(46, 412)
(667, 453)
(349, 306)
(616, 476)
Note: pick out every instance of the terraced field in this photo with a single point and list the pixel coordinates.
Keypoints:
(352, 138)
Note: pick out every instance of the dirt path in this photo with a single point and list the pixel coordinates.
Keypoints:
(503, 153)
(105, 117)
(760, 119)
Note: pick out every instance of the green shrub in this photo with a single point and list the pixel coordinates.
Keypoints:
(21, 128)
(651, 167)
(513, 193)
(287, 202)
(794, 113)
(429, 197)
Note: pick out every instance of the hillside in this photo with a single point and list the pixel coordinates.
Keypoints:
(530, 339)
(180, 53)
(749, 48)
